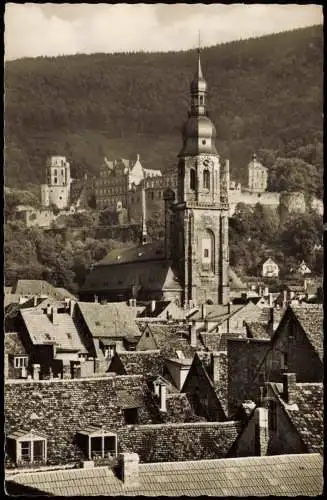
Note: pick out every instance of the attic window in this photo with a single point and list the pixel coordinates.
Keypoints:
(69, 335)
(27, 448)
(98, 443)
(97, 323)
(47, 336)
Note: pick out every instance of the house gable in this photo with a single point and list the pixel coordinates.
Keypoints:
(201, 393)
(146, 341)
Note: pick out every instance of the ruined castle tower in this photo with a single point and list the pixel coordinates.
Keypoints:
(197, 222)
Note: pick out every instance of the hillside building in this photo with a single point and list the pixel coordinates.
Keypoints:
(120, 185)
(258, 176)
(191, 265)
(270, 269)
(56, 191)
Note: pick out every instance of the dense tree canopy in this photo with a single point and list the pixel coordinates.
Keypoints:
(263, 93)
(257, 233)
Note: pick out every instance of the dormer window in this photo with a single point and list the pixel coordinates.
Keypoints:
(98, 443)
(27, 448)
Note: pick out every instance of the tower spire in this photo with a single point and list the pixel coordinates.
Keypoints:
(200, 75)
(144, 235)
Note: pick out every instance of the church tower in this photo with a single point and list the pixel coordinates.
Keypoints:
(198, 228)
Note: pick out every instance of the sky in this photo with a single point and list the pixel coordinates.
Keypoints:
(33, 29)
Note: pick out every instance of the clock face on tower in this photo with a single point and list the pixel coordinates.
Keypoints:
(207, 162)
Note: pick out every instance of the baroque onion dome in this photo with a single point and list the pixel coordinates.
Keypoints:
(198, 132)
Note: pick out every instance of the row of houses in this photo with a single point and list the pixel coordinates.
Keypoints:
(114, 393)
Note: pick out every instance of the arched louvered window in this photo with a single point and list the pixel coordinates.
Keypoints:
(192, 179)
(206, 179)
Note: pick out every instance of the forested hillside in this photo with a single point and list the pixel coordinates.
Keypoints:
(264, 93)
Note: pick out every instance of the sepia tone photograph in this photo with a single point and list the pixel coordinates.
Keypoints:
(163, 250)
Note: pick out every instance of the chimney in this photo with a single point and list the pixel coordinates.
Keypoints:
(289, 388)
(88, 464)
(192, 331)
(36, 371)
(129, 463)
(35, 301)
(260, 291)
(261, 431)
(284, 298)
(270, 300)
(132, 302)
(49, 308)
(95, 298)
(204, 311)
(71, 307)
(215, 366)
(54, 316)
(162, 397)
(153, 306)
(266, 291)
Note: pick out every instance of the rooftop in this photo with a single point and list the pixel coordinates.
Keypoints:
(308, 416)
(114, 319)
(311, 318)
(286, 475)
(42, 330)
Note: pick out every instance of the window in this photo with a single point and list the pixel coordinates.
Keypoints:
(192, 179)
(131, 416)
(21, 362)
(98, 443)
(203, 141)
(55, 180)
(201, 100)
(206, 253)
(206, 179)
(152, 195)
(55, 172)
(27, 448)
(283, 360)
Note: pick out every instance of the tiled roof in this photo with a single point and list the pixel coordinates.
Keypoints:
(154, 275)
(171, 338)
(160, 306)
(115, 319)
(41, 287)
(283, 475)
(211, 340)
(217, 313)
(42, 331)
(257, 330)
(234, 281)
(179, 409)
(141, 362)
(308, 418)
(311, 318)
(150, 251)
(14, 345)
(130, 399)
